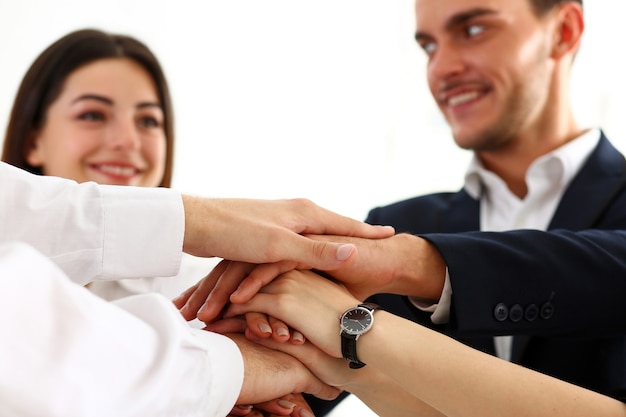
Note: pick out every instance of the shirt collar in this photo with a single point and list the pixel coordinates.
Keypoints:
(571, 156)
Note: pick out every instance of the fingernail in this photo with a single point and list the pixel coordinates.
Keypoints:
(265, 328)
(244, 407)
(237, 291)
(297, 336)
(286, 404)
(306, 413)
(344, 252)
(281, 331)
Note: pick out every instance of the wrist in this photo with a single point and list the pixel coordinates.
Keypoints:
(420, 270)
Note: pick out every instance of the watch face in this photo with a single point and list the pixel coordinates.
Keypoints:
(357, 320)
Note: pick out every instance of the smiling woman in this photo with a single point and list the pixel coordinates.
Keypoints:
(96, 107)
(106, 126)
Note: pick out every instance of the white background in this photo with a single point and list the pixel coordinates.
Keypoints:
(322, 99)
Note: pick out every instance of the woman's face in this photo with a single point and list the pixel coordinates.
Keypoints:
(106, 126)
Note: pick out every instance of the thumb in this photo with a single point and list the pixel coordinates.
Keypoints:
(324, 255)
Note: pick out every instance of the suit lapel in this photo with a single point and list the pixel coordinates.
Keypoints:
(592, 190)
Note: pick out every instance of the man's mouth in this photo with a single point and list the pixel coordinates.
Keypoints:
(462, 98)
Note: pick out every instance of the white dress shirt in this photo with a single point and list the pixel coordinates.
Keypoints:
(547, 179)
(66, 352)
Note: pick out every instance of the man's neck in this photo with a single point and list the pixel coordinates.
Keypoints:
(513, 160)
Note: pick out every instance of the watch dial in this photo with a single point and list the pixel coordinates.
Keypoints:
(356, 321)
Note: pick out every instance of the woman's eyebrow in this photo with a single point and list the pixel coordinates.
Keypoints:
(96, 97)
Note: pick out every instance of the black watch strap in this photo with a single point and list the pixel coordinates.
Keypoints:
(348, 350)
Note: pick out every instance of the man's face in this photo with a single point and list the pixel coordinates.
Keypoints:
(489, 67)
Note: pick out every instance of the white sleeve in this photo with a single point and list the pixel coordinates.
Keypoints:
(441, 309)
(67, 353)
(93, 231)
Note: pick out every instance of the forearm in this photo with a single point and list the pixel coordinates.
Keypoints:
(99, 359)
(386, 397)
(460, 381)
(487, 268)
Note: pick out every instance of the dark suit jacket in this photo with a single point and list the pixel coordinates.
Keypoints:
(560, 292)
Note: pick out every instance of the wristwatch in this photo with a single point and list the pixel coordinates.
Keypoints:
(355, 322)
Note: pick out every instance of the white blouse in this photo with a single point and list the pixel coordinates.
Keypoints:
(66, 352)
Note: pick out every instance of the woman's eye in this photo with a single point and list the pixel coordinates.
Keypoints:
(474, 30)
(149, 122)
(91, 116)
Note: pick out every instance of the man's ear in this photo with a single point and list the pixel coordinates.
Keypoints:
(33, 150)
(568, 30)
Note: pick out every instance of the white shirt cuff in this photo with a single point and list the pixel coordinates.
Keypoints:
(440, 310)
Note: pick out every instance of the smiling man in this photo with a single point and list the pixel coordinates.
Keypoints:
(499, 71)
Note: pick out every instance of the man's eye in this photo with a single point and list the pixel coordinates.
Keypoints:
(429, 47)
(474, 30)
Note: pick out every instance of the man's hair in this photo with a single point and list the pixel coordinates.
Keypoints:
(543, 6)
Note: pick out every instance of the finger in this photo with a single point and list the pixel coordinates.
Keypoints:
(241, 410)
(320, 254)
(280, 331)
(260, 276)
(231, 325)
(226, 284)
(332, 223)
(203, 287)
(282, 406)
(180, 301)
(297, 338)
(258, 324)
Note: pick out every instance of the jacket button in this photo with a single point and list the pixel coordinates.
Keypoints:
(547, 310)
(516, 313)
(531, 313)
(501, 312)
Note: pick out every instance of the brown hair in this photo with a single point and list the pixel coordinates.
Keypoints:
(44, 80)
(543, 6)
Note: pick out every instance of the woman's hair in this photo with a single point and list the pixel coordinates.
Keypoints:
(44, 80)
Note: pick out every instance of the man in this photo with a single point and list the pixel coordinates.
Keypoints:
(77, 355)
(499, 71)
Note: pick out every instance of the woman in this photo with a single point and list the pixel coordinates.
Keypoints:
(96, 107)
(411, 370)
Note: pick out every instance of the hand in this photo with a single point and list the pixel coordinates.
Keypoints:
(402, 264)
(270, 374)
(378, 391)
(318, 302)
(289, 405)
(333, 371)
(262, 231)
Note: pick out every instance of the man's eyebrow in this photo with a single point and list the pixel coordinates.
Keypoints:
(457, 20)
